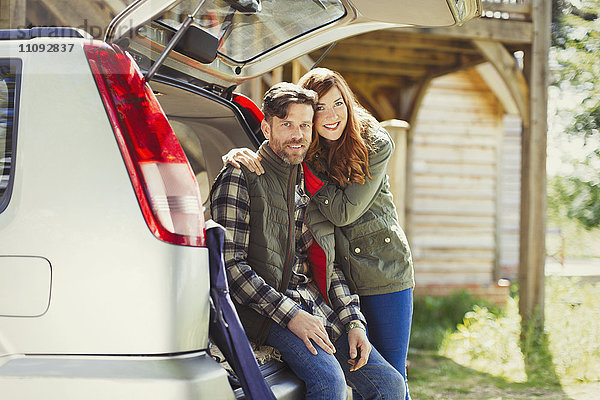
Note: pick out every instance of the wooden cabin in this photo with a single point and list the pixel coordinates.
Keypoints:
(467, 108)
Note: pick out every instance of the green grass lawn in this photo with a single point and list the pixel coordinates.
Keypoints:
(432, 376)
(482, 356)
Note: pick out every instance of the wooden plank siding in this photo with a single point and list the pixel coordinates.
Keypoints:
(456, 146)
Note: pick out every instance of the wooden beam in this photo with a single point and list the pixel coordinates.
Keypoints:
(83, 14)
(410, 99)
(385, 109)
(5, 14)
(297, 70)
(390, 69)
(116, 5)
(373, 82)
(506, 66)
(38, 15)
(386, 53)
(504, 31)
(12, 14)
(408, 38)
(277, 74)
(533, 172)
(500, 88)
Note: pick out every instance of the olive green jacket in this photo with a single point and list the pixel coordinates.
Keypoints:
(371, 246)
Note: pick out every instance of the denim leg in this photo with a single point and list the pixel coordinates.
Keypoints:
(321, 373)
(375, 380)
(389, 318)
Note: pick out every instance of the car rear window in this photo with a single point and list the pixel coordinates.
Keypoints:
(9, 87)
(245, 36)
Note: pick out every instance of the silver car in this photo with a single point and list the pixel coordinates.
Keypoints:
(104, 269)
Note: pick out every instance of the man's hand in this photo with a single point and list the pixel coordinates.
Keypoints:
(359, 346)
(307, 327)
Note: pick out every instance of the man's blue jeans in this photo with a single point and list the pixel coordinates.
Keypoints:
(325, 375)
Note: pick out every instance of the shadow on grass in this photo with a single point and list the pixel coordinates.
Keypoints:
(539, 365)
(432, 376)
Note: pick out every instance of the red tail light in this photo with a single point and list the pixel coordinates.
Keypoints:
(162, 178)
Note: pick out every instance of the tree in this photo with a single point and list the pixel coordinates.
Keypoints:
(575, 58)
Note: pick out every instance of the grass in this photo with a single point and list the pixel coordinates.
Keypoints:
(482, 355)
(432, 376)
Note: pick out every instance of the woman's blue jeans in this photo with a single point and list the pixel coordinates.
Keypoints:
(389, 318)
(325, 375)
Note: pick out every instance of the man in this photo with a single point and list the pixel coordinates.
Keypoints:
(276, 242)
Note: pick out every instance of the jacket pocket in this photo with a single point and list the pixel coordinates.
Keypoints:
(380, 258)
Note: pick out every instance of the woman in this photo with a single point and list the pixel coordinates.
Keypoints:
(350, 152)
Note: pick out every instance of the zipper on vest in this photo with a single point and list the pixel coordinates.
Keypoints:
(287, 271)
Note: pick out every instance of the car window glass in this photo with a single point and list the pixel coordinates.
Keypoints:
(243, 37)
(8, 90)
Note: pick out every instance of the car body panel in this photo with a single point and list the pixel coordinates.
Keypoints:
(117, 288)
(190, 376)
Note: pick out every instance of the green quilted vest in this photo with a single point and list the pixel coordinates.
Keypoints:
(271, 250)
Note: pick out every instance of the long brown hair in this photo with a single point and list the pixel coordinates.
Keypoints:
(347, 159)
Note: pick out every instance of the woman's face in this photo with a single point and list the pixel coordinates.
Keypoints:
(331, 115)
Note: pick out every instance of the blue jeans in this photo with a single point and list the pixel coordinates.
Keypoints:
(389, 318)
(325, 375)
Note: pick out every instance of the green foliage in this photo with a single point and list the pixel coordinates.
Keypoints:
(434, 316)
(574, 198)
(567, 350)
(488, 342)
(575, 63)
(573, 326)
(538, 362)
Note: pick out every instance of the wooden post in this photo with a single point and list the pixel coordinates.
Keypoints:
(533, 172)
(277, 75)
(297, 70)
(12, 14)
(4, 14)
(396, 170)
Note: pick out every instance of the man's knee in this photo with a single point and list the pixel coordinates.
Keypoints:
(331, 384)
(393, 385)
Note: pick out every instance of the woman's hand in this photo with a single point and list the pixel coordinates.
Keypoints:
(244, 156)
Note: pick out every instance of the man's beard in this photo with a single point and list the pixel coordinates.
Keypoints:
(296, 157)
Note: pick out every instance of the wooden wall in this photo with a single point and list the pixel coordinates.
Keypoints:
(455, 181)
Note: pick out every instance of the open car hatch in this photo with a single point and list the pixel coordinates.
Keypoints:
(228, 42)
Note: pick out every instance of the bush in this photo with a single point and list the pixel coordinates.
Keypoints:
(435, 316)
(568, 349)
(573, 323)
(488, 342)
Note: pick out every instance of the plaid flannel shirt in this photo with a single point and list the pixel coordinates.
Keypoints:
(230, 207)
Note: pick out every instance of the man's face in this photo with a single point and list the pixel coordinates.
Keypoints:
(290, 137)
